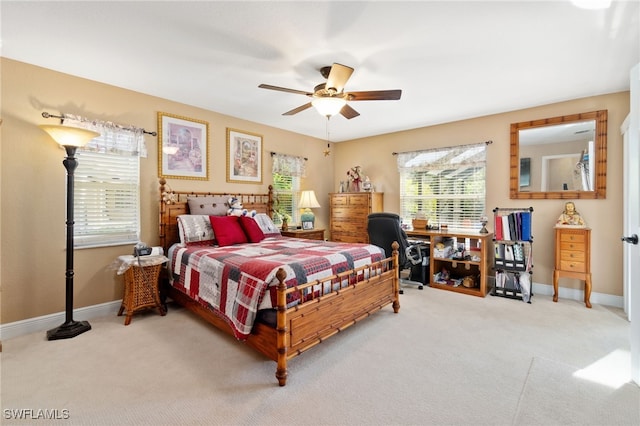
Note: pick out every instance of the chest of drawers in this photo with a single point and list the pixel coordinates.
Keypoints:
(348, 213)
(573, 258)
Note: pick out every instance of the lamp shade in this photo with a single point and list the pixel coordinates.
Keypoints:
(328, 105)
(69, 136)
(308, 200)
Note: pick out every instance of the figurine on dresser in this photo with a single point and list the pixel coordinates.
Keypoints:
(570, 216)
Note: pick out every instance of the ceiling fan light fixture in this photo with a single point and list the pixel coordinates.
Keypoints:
(329, 105)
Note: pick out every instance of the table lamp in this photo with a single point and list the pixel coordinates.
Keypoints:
(307, 202)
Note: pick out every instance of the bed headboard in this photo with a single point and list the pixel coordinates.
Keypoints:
(174, 203)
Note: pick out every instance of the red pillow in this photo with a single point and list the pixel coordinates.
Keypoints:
(227, 230)
(252, 229)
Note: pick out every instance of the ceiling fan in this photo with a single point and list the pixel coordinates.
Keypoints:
(330, 98)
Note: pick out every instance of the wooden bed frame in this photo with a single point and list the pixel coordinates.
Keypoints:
(301, 327)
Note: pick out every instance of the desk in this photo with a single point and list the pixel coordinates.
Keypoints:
(140, 284)
(478, 266)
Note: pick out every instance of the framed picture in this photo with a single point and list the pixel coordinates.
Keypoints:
(307, 225)
(244, 157)
(183, 147)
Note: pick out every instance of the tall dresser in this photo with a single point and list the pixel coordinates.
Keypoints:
(348, 212)
(573, 258)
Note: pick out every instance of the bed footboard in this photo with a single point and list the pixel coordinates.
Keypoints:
(303, 326)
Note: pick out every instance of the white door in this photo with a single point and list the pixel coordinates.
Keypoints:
(631, 129)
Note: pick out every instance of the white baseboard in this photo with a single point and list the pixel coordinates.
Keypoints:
(47, 322)
(574, 294)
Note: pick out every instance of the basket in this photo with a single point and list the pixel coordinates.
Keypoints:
(420, 223)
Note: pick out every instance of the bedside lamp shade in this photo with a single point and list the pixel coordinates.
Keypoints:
(307, 202)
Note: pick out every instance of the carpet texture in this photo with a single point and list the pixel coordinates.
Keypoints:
(556, 394)
(445, 359)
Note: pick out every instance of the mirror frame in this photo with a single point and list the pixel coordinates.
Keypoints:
(600, 153)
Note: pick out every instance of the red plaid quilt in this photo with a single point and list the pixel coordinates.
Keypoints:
(236, 281)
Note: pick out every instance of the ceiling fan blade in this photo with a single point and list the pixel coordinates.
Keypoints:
(375, 95)
(299, 109)
(284, 89)
(338, 77)
(348, 112)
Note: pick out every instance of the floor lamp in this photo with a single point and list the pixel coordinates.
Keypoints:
(70, 138)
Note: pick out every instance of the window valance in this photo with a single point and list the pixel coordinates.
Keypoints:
(440, 159)
(289, 165)
(114, 138)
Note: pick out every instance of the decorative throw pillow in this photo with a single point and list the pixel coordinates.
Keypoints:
(227, 230)
(266, 225)
(209, 205)
(251, 228)
(195, 229)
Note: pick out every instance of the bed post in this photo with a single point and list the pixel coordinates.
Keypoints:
(270, 202)
(162, 231)
(396, 277)
(281, 327)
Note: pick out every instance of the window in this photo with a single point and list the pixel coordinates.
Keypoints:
(287, 193)
(447, 185)
(107, 185)
(287, 171)
(106, 199)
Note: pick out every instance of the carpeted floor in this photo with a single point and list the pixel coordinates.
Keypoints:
(568, 397)
(445, 359)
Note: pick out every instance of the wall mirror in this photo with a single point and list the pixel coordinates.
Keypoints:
(560, 157)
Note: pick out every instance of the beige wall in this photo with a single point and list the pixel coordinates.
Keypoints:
(32, 182)
(603, 216)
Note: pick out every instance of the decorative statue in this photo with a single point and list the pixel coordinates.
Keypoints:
(570, 216)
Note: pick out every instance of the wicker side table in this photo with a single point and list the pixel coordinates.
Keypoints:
(140, 284)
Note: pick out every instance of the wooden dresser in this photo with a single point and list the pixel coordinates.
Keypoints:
(573, 258)
(348, 212)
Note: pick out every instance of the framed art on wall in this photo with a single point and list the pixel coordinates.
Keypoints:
(183, 147)
(244, 157)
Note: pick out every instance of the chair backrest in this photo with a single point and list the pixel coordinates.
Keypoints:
(383, 229)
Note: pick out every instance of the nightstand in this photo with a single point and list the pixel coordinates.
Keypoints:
(309, 234)
(140, 284)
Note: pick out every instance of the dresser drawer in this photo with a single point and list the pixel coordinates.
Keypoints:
(573, 237)
(349, 237)
(571, 255)
(348, 226)
(572, 246)
(568, 265)
(342, 213)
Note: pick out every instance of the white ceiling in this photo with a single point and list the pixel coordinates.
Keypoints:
(453, 60)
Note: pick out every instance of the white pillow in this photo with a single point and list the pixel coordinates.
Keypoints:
(266, 225)
(195, 229)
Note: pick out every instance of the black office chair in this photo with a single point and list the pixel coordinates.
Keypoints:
(383, 230)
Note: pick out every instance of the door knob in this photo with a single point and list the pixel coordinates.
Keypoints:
(632, 239)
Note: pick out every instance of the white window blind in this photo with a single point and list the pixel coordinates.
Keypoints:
(107, 184)
(106, 199)
(287, 171)
(287, 194)
(447, 185)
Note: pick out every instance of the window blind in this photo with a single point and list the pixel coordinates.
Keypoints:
(447, 185)
(106, 199)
